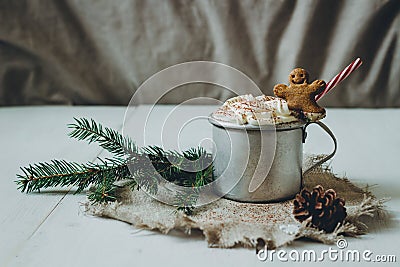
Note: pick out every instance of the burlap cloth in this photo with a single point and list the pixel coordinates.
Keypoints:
(227, 223)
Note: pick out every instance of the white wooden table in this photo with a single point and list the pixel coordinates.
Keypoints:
(51, 229)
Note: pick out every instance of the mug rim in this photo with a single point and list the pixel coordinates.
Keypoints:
(248, 127)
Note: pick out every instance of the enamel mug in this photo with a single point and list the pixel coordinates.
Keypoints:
(261, 163)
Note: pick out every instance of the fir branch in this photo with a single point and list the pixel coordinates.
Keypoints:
(107, 138)
(186, 201)
(192, 168)
(145, 176)
(189, 168)
(63, 173)
(105, 192)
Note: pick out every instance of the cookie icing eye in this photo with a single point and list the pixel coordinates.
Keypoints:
(293, 75)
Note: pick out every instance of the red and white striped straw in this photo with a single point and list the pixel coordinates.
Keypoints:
(340, 77)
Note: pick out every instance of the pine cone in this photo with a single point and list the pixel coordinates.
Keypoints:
(324, 208)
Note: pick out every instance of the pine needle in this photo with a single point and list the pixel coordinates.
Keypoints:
(107, 138)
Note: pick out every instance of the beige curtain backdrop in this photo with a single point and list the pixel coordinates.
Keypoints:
(99, 51)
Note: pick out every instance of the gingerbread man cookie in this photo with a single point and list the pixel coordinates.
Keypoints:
(300, 95)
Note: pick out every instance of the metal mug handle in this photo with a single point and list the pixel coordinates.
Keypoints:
(328, 157)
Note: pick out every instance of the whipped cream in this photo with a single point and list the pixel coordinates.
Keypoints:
(259, 110)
